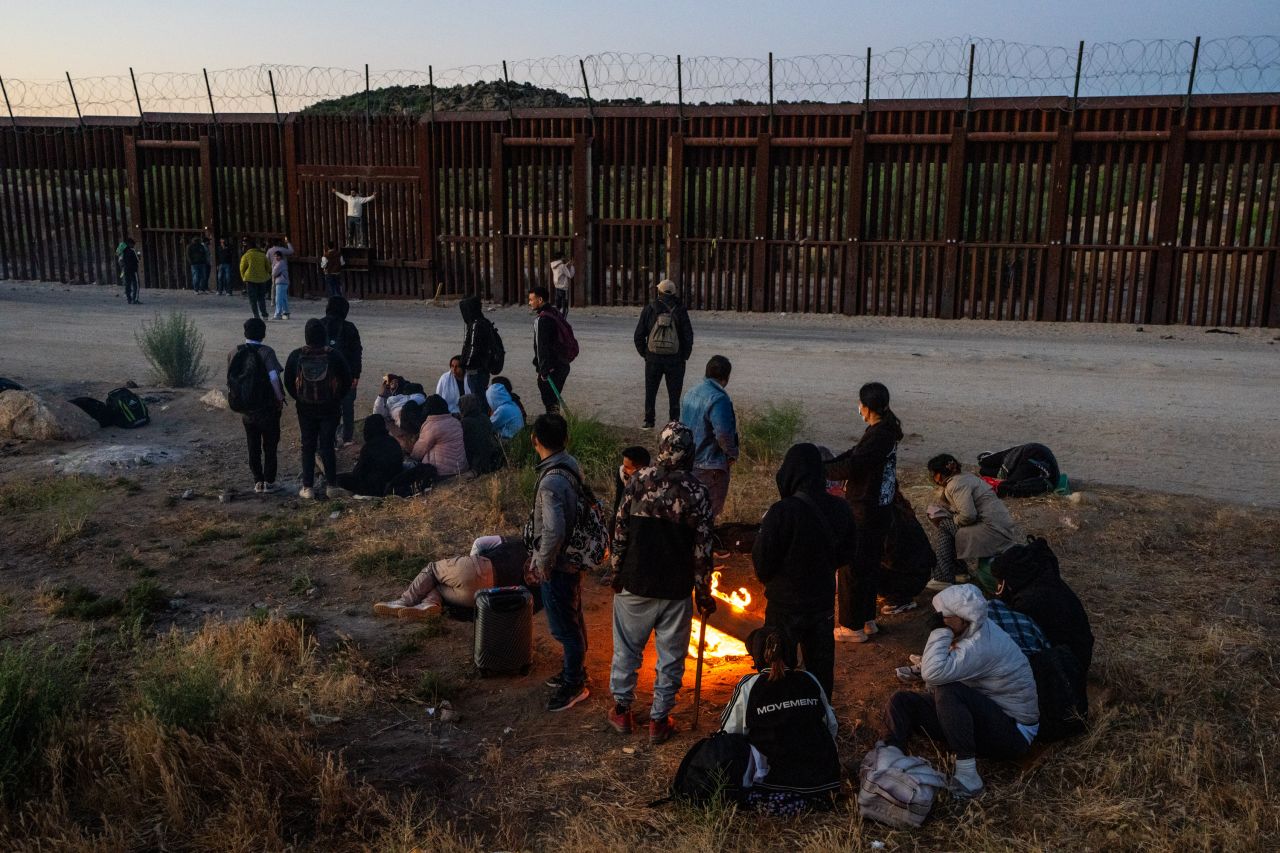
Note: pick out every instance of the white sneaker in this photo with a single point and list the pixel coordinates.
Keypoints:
(259, 487)
(916, 660)
(871, 628)
(389, 608)
(848, 635)
(425, 610)
(306, 493)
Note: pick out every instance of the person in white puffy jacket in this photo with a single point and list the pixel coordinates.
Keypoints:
(982, 695)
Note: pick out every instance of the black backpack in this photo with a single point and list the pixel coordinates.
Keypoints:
(248, 383)
(497, 351)
(713, 768)
(127, 409)
(95, 409)
(1060, 692)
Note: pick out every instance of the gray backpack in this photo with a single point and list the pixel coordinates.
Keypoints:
(664, 337)
(895, 789)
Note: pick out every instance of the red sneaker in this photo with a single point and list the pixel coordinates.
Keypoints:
(622, 720)
(661, 731)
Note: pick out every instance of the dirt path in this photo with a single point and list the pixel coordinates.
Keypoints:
(1167, 408)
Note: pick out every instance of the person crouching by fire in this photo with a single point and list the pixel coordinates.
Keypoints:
(804, 539)
(661, 552)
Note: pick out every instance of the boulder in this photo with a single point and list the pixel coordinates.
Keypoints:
(26, 415)
(216, 399)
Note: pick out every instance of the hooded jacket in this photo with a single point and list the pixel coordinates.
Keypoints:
(477, 346)
(343, 334)
(484, 453)
(870, 467)
(1032, 584)
(663, 531)
(1024, 470)
(555, 511)
(546, 356)
(984, 526)
(381, 459)
(254, 266)
(314, 335)
(664, 304)
(440, 441)
(506, 417)
(795, 554)
(984, 657)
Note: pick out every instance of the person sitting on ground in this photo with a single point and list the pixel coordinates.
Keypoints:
(787, 718)
(1021, 471)
(395, 392)
(1029, 581)
(507, 415)
(484, 452)
(381, 460)
(455, 581)
(908, 560)
(982, 700)
(453, 384)
(970, 522)
(440, 443)
(1020, 627)
(804, 539)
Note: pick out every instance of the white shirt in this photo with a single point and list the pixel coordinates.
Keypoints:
(447, 387)
(355, 203)
(561, 274)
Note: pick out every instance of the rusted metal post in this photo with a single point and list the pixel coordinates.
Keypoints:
(953, 223)
(1191, 78)
(275, 105)
(680, 92)
(136, 98)
(675, 210)
(498, 219)
(13, 121)
(866, 94)
(1075, 91)
(758, 298)
(74, 99)
(431, 90)
(506, 96)
(583, 284)
(852, 301)
(1161, 295)
(1055, 259)
(591, 110)
(968, 92)
(771, 91)
(209, 90)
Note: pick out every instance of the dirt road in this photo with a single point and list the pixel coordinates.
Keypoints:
(1166, 408)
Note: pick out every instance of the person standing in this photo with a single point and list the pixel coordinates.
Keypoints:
(664, 339)
(331, 264)
(317, 377)
(550, 358)
(278, 256)
(344, 337)
(562, 281)
(557, 500)
(198, 259)
(129, 271)
(247, 364)
(226, 260)
(356, 234)
(708, 411)
(804, 539)
(479, 345)
(255, 271)
(870, 469)
(661, 554)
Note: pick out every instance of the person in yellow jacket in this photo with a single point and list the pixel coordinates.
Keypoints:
(255, 272)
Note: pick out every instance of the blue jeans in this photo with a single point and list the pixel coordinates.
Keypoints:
(199, 277)
(562, 599)
(282, 298)
(224, 278)
(635, 617)
(334, 284)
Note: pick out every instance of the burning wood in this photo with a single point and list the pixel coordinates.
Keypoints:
(729, 627)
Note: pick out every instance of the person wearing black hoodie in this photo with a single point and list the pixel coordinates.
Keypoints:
(344, 337)
(484, 452)
(1029, 581)
(316, 376)
(479, 344)
(803, 540)
(664, 325)
(870, 472)
(381, 461)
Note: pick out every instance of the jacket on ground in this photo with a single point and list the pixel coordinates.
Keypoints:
(707, 410)
(792, 731)
(555, 511)
(381, 459)
(794, 555)
(985, 526)
(664, 304)
(506, 417)
(663, 531)
(1024, 469)
(477, 345)
(984, 657)
(1033, 584)
(870, 467)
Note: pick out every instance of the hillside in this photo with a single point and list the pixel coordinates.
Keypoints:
(416, 100)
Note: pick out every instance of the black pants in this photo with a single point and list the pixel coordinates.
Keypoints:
(131, 287)
(856, 583)
(257, 291)
(412, 481)
(349, 415)
(479, 381)
(318, 431)
(562, 300)
(971, 724)
(558, 375)
(654, 373)
(814, 633)
(262, 431)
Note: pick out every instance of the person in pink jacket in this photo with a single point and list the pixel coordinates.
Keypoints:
(440, 442)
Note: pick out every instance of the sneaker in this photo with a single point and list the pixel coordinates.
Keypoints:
(419, 612)
(916, 660)
(286, 316)
(338, 492)
(961, 791)
(896, 609)
(390, 609)
(646, 425)
(848, 635)
(661, 731)
(908, 674)
(871, 628)
(937, 585)
(306, 493)
(622, 720)
(566, 697)
(259, 487)
(557, 680)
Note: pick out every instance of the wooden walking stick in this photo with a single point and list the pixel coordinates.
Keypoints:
(697, 678)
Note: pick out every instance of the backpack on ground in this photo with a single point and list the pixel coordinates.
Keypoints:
(248, 382)
(127, 409)
(316, 384)
(9, 385)
(1060, 693)
(566, 345)
(589, 539)
(95, 409)
(895, 789)
(664, 335)
(497, 350)
(714, 767)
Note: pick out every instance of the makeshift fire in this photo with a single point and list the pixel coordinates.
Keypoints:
(732, 618)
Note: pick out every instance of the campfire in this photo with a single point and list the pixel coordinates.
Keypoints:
(721, 644)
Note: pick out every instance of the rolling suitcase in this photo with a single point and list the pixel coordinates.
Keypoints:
(504, 630)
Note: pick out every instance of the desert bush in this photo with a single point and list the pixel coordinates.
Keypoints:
(144, 599)
(434, 687)
(766, 435)
(80, 602)
(393, 561)
(181, 690)
(38, 689)
(174, 348)
(596, 445)
(48, 493)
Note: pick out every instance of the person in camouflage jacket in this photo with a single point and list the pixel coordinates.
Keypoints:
(661, 553)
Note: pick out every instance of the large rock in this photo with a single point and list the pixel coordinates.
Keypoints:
(216, 399)
(26, 415)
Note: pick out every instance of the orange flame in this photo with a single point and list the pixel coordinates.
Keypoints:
(720, 644)
(739, 599)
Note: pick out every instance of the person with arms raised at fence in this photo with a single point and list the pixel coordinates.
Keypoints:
(344, 337)
(562, 281)
(357, 235)
(870, 472)
(128, 259)
(255, 389)
(317, 377)
(483, 353)
(708, 412)
(970, 522)
(804, 539)
(664, 339)
(554, 348)
(278, 257)
(255, 272)
(198, 259)
(661, 559)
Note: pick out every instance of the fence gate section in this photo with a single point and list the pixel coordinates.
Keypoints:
(170, 200)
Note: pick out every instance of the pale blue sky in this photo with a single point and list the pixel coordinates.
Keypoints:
(39, 40)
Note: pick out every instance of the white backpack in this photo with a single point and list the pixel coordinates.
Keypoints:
(895, 789)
